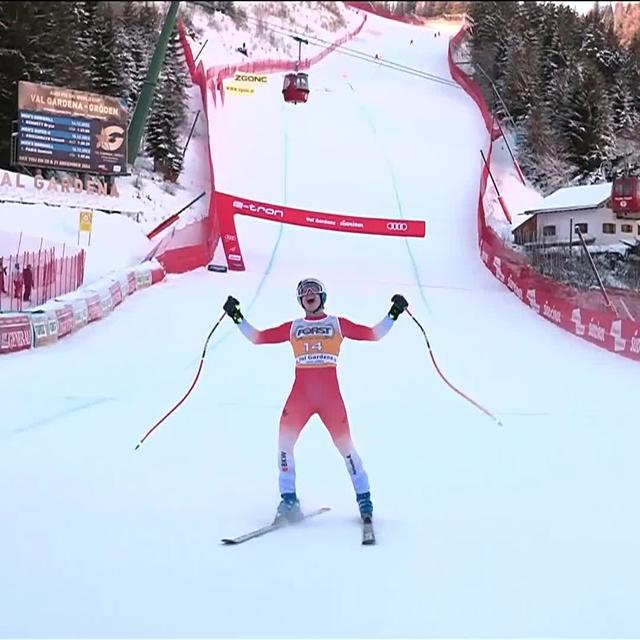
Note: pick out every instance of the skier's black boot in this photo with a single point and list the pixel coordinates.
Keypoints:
(365, 505)
(289, 509)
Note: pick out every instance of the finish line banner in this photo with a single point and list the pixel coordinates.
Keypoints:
(228, 206)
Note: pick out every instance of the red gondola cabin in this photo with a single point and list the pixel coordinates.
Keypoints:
(625, 197)
(296, 87)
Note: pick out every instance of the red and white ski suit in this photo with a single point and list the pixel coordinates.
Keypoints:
(316, 348)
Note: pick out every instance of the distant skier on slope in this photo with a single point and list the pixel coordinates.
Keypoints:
(316, 340)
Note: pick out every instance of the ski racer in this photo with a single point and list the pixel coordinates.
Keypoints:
(316, 340)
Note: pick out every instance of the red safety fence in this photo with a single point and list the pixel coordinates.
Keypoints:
(582, 313)
(30, 278)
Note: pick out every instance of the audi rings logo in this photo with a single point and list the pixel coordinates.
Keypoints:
(397, 226)
(229, 237)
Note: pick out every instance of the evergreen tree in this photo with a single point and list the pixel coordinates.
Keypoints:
(588, 120)
(632, 71)
(168, 111)
(625, 117)
(135, 58)
(86, 43)
(15, 28)
(543, 157)
(490, 42)
(571, 87)
(107, 72)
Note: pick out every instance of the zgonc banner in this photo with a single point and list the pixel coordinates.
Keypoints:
(228, 206)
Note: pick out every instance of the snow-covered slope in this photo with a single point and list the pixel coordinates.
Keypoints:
(483, 531)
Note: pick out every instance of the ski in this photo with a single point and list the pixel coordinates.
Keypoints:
(272, 527)
(368, 534)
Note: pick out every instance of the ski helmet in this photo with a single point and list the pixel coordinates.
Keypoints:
(315, 286)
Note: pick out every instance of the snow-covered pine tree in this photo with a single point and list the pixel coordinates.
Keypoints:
(632, 71)
(588, 120)
(46, 50)
(13, 67)
(168, 112)
(625, 113)
(107, 72)
(625, 117)
(521, 83)
(484, 36)
(542, 156)
(599, 45)
(490, 42)
(134, 52)
(85, 44)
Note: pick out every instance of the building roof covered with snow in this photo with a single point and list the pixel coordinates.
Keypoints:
(590, 196)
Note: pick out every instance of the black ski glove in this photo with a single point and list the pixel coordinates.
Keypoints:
(232, 309)
(398, 306)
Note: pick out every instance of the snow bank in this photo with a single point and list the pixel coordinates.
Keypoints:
(117, 241)
(518, 197)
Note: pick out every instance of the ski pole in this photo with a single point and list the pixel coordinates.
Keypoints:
(193, 384)
(435, 364)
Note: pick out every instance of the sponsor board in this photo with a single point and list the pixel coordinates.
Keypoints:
(239, 89)
(250, 78)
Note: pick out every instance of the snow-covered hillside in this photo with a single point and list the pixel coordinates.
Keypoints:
(265, 29)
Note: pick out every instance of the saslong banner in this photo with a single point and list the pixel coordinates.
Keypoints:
(229, 205)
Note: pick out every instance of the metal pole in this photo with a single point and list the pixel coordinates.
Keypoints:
(190, 133)
(624, 306)
(571, 236)
(595, 271)
(139, 118)
(495, 186)
(171, 219)
(495, 90)
(513, 159)
(201, 50)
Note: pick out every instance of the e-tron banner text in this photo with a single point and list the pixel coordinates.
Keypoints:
(228, 206)
(332, 221)
(67, 129)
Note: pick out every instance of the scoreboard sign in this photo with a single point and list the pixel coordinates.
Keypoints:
(68, 129)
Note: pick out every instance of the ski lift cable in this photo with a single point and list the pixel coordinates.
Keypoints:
(344, 50)
(388, 63)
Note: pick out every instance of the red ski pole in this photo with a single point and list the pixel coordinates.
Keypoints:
(435, 364)
(193, 384)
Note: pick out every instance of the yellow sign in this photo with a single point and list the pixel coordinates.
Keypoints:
(86, 220)
(241, 88)
(250, 78)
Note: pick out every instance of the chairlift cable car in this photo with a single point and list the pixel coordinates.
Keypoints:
(625, 196)
(296, 85)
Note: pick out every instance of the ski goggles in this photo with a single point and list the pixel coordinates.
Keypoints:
(307, 287)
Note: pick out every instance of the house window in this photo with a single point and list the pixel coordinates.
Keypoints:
(583, 226)
(549, 230)
(627, 228)
(609, 227)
